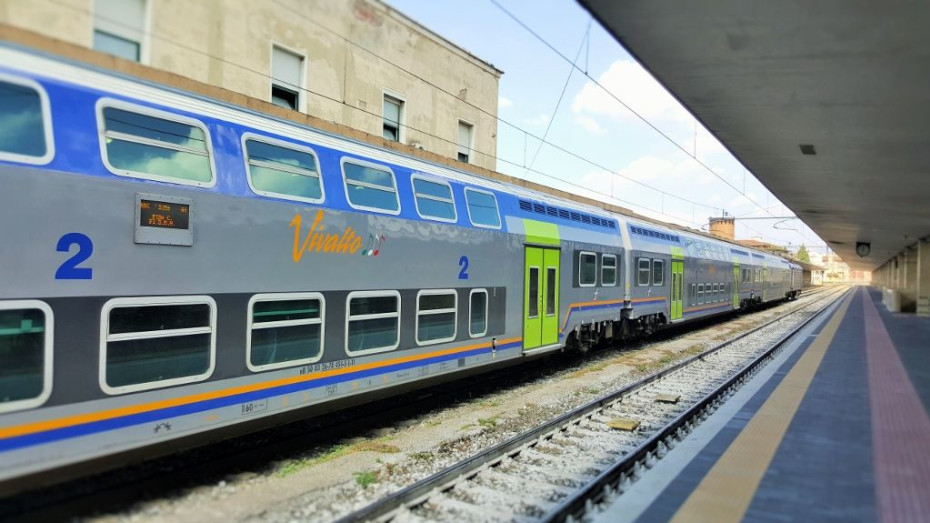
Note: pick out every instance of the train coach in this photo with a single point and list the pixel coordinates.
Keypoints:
(175, 268)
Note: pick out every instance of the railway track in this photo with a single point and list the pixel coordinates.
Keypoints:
(559, 470)
(208, 465)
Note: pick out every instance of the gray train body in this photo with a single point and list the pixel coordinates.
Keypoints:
(92, 293)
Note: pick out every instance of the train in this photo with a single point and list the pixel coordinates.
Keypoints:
(176, 268)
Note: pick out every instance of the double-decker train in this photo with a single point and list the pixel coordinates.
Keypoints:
(174, 268)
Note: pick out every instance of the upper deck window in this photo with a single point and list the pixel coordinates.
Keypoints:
(434, 199)
(284, 171)
(170, 149)
(371, 187)
(482, 208)
(25, 131)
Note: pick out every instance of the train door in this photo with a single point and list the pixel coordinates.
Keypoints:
(736, 280)
(678, 270)
(541, 298)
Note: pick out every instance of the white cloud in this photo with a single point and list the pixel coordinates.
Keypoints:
(590, 125)
(540, 121)
(503, 103)
(629, 82)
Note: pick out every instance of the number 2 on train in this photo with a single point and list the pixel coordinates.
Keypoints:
(69, 270)
(463, 263)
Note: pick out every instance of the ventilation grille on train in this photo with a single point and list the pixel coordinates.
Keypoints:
(649, 233)
(737, 251)
(564, 214)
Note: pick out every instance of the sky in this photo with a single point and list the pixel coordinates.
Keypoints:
(607, 152)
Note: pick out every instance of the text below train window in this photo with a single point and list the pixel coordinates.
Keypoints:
(372, 322)
(436, 313)
(167, 147)
(25, 354)
(283, 171)
(164, 220)
(149, 343)
(285, 330)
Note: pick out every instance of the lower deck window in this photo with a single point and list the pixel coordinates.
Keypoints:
(478, 313)
(435, 316)
(285, 330)
(372, 322)
(150, 343)
(25, 354)
(587, 269)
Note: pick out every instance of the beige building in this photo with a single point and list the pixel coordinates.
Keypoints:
(357, 63)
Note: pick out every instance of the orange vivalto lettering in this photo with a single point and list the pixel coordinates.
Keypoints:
(316, 240)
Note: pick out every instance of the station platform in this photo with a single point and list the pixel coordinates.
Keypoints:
(836, 428)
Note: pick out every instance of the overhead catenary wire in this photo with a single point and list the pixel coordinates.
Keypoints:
(621, 102)
(309, 91)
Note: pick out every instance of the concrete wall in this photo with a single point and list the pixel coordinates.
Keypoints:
(355, 51)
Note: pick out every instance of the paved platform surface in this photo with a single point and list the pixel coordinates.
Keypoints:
(835, 429)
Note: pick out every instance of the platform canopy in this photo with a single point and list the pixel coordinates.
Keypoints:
(850, 78)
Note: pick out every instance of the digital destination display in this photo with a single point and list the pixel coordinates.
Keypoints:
(164, 215)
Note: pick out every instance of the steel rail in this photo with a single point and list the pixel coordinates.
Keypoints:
(444, 480)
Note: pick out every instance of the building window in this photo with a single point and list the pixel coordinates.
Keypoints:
(436, 312)
(150, 343)
(118, 27)
(372, 322)
(27, 135)
(482, 208)
(587, 269)
(287, 73)
(642, 271)
(465, 141)
(282, 170)
(608, 270)
(434, 199)
(285, 330)
(658, 272)
(138, 142)
(478, 313)
(393, 110)
(370, 187)
(25, 354)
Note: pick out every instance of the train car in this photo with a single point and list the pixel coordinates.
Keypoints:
(174, 267)
(177, 269)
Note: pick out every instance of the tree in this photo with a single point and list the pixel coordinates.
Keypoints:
(803, 255)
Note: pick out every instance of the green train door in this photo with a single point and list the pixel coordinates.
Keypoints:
(541, 298)
(736, 280)
(678, 273)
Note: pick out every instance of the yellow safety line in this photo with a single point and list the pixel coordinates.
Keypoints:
(727, 490)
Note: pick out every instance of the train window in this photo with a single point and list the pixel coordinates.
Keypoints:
(371, 187)
(716, 292)
(24, 108)
(283, 170)
(25, 354)
(149, 343)
(372, 322)
(434, 199)
(700, 293)
(551, 290)
(532, 301)
(436, 313)
(478, 313)
(587, 269)
(642, 271)
(482, 208)
(693, 294)
(658, 272)
(155, 145)
(284, 330)
(608, 270)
